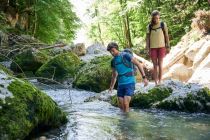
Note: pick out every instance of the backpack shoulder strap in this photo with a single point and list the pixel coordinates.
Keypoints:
(150, 28)
(162, 24)
(125, 61)
(129, 64)
(163, 29)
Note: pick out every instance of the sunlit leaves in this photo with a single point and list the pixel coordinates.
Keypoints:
(56, 21)
(47, 20)
(176, 13)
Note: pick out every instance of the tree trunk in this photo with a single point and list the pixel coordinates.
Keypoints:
(125, 19)
(99, 27)
(127, 32)
(100, 36)
(12, 3)
(3, 5)
(35, 19)
(28, 6)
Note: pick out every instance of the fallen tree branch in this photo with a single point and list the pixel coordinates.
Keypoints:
(54, 46)
(145, 62)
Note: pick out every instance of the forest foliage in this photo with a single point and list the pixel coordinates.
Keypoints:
(126, 21)
(123, 21)
(48, 20)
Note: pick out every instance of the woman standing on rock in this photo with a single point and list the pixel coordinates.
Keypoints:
(157, 44)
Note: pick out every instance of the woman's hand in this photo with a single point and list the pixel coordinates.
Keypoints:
(167, 50)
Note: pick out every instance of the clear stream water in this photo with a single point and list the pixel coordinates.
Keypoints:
(98, 120)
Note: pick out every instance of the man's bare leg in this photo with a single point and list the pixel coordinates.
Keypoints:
(127, 100)
(121, 102)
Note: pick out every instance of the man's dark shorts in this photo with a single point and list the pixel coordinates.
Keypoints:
(126, 90)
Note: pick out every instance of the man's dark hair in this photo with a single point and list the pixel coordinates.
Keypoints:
(112, 45)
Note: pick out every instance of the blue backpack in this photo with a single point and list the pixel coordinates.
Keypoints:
(128, 64)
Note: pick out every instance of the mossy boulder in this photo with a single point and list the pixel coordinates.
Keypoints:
(29, 60)
(3, 58)
(147, 100)
(24, 108)
(50, 52)
(114, 101)
(60, 68)
(6, 70)
(79, 49)
(154, 95)
(94, 75)
(172, 95)
(198, 101)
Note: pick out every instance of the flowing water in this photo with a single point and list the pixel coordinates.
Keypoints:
(98, 120)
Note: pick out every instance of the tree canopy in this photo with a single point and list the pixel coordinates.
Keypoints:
(47, 20)
(126, 20)
(123, 21)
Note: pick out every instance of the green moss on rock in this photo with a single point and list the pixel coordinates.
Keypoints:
(114, 100)
(193, 102)
(48, 52)
(94, 75)
(6, 70)
(164, 98)
(146, 100)
(60, 67)
(28, 61)
(27, 109)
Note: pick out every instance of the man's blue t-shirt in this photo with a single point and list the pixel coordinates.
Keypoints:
(121, 68)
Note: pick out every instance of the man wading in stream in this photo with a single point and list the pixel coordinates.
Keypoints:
(123, 68)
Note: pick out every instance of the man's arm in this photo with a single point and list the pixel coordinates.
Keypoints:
(140, 67)
(113, 80)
